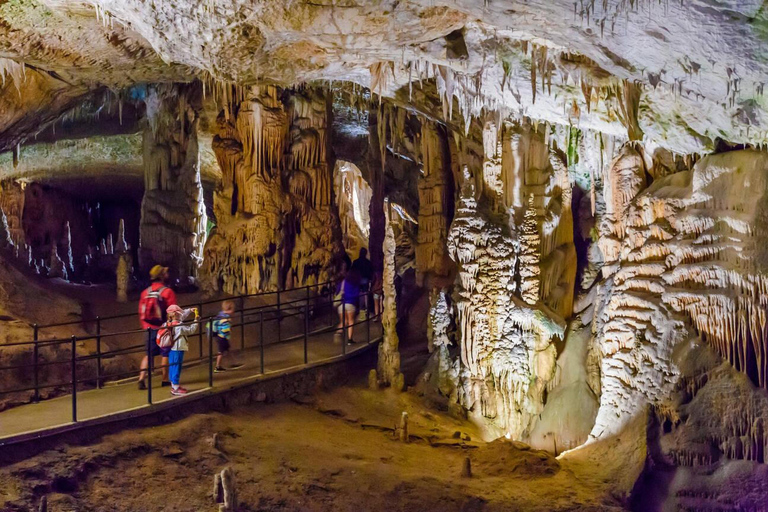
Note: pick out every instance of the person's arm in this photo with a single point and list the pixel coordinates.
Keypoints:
(188, 329)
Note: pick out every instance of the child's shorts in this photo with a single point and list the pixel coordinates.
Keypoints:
(223, 344)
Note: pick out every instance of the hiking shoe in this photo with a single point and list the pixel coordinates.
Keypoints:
(219, 369)
(179, 392)
(351, 341)
(142, 385)
(165, 384)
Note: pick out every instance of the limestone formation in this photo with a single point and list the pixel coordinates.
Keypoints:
(123, 272)
(389, 356)
(224, 491)
(435, 196)
(277, 223)
(172, 213)
(515, 282)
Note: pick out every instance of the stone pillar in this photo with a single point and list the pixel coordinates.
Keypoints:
(173, 217)
(389, 356)
(376, 169)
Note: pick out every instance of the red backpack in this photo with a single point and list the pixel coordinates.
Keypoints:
(165, 335)
(151, 306)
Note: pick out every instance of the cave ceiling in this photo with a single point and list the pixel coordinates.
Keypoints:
(699, 65)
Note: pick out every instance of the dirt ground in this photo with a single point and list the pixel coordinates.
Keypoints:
(336, 451)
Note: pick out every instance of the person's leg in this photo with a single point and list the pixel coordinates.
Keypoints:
(350, 321)
(340, 327)
(180, 362)
(151, 351)
(143, 367)
(165, 367)
(218, 360)
(174, 372)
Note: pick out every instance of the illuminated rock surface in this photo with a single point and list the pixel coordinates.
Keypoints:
(567, 203)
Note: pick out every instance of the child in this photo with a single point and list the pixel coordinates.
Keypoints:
(179, 331)
(221, 332)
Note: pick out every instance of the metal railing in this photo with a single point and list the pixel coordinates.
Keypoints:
(317, 304)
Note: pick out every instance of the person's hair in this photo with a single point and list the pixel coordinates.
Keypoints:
(228, 305)
(363, 252)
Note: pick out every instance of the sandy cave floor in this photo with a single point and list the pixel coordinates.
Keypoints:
(333, 451)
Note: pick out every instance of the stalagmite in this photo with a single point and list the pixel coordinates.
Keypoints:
(123, 275)
(389, 356)
(57, 268)
(224, 491)
(122, 245)
(466, 468)
(403, 428)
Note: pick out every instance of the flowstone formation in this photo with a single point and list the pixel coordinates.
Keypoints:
(173, 216)
(277, 222)
(516, 273)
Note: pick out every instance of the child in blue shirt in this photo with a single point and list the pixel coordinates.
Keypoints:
(221, 330)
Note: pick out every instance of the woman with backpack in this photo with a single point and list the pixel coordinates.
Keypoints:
(174, 335)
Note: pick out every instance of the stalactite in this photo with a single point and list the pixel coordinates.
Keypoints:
(269, 150)
(173, 217)
(433, 201)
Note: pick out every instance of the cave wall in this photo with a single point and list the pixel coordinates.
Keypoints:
(512, 241)
(277, 219)
(173, 217)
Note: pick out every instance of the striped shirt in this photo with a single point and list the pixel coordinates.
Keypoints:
(221, 325)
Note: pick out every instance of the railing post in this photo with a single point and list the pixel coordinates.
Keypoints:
(242, 323)
(309, 295)
(261, 340)
(279, 333)
(36, 351)
(343, 326)
(150, 365)
(74, 380)
(98, 352)
(210, 355)
(200, 331)
(368, 325)
(306, 332)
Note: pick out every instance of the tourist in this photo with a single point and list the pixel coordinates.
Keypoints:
(179, 331)
(220, 329)
(376, 289)
(154, 302)
(364, 268)
(348, 294)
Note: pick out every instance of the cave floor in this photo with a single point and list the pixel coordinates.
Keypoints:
(334, 451)
(115, 398)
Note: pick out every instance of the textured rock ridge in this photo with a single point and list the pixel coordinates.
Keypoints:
(277, 220)
(173, 217)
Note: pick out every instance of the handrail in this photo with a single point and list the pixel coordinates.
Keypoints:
(204, 303)
(248, 316)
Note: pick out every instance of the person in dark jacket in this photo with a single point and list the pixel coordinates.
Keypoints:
(363, 266)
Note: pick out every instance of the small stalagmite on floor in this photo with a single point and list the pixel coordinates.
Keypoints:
(224, 492)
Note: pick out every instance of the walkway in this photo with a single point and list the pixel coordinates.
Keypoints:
(116, 398)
